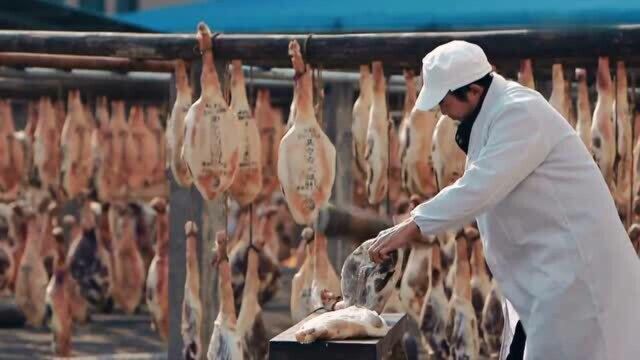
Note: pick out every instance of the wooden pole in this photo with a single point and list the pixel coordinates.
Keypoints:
(580, 45)
(28, 85)
(69, 62)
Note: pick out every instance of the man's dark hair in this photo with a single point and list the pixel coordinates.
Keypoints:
(461, 92)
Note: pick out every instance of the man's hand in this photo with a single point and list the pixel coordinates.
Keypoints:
(393, 238)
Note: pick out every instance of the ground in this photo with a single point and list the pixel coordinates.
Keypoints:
(128, 336)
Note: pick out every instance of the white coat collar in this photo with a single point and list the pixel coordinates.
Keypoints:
(488, 109)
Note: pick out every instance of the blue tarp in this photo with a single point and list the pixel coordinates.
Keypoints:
(344, 16)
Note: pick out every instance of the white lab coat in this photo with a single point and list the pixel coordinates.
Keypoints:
(549, 227)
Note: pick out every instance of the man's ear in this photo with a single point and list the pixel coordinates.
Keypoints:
(475, 89)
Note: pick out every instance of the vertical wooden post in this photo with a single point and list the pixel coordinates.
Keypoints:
(338, 105)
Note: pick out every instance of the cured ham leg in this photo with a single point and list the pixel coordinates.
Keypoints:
(493, 319)
(117, 160)
(59, 302)
(191, 304)
(480, 281)
(584, 108)
(377, 150)
(306, 158)
(141, 151)
(271, 131)
(47, 152)
(624, 160)
(462, 325)
(448, 159)
(315, 276)
(211, 143)
(158, 275)
(434, 313)
(361, 111)
(248, 182)
(225, 342)
(250, 327)
(13, 160)
(31, 281)
(175, 126)
(157, 174)
(558, 91)
(602, 131)
(350, 322)
(77, 157)
(525, 75)
(128, 264)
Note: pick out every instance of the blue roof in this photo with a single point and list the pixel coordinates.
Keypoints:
(344, 16)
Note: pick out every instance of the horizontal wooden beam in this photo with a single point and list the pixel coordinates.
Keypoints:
(340, 51)
(30, 85)
(68, 62)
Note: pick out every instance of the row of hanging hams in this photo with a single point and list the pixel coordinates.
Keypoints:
(60, 268)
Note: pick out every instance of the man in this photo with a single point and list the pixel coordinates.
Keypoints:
(549, 227)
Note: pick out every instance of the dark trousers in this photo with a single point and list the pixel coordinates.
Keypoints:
(516, 350)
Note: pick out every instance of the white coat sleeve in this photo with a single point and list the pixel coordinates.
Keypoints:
(515, 147)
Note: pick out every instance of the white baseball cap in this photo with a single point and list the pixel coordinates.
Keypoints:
(449, 67)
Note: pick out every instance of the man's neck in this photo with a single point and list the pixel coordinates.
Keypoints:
(474, 114)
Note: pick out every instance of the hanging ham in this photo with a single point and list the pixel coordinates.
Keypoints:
(315, 276)
(624, 152)
(128, 264)
(157, 174)
(602, 132)
(211, 144)
(47, 152)
(271, 129)
(32, 279)
(248, 181)
(361, 111)
(306, 159)
(558, 91)
(448, 159)
(377, 150)
(462, 324)
(77, 157)
(225, 341)
(493, 319)
(525, 75)
(175, 126)
(141, 151)
(13, 161)
(583, 127)
(191, 304)
(117, 160)
(157, 291)
(59, 303)
(434, 313)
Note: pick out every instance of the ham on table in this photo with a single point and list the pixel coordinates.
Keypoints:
(13, 161)
(377, 150)
(191, 326)
(47, 155)
(175, 126)
(351, 322)
(306, 157)
(583, 127)
(603, 140)
(248, 181)
(77, 157)
(225, 343)
(211, 143)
